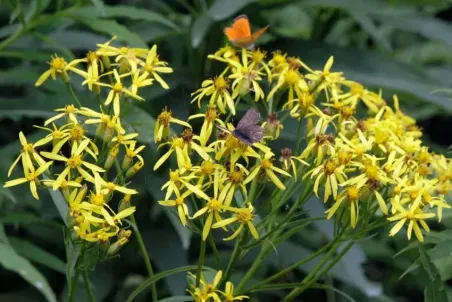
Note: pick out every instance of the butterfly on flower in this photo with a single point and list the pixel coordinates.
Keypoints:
(247, 130)
(240, 33)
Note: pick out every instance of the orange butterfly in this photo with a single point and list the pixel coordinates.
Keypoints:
(240, 32)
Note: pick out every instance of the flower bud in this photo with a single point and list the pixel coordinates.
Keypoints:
(111, 157)
(134, 169)
(106, 62)
(124, 203)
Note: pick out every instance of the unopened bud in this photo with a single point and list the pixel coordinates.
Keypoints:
(116, 247)
(134, 169)
(106, 62)
(124, 203)
(111, 157)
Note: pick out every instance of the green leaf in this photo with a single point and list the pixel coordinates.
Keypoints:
(199, 29)
(26, 55)
(424, 25)
(368, 25)
(24, 218)
(77, 39)
(13, 262)
(127, 12)
(435, 290)
(99, 5)
(372, 69)
(157, 277)
(221, 9)
(60, 203)
(112, 28)
(37, 254)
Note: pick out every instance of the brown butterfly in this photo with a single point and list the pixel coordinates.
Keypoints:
(240, 32)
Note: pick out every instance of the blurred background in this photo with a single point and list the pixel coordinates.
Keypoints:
(400, 46)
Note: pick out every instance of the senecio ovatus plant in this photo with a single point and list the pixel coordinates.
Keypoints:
(355, 152)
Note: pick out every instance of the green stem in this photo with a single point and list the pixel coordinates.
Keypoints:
(88, 289)
(71, 90)
(256, 264)
(301, 289)
(297, 145)
(147, 261)
(202, 253)
(16, 35)
(292, 267)
(234, 257)
(74, 285)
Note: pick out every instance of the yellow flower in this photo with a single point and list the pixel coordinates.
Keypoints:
(31, 176)
(154, 66)
(272, 126)
(69, 111)
(350, 194)
(292, 80)
(75, 162)
(178, 182)
(178, 146)
(118, 90)
(55, 135)
(217, 89)
(162, 126)
(414, 216)
(210, 117)
(139, 81)
(246, 78)
(130, 153)
(331, 173)
(27, 155)
(179, 203)
(289, 161)
(213, 208)
(57, 66)
(243, 216)
(208, 291)
(235, 178)
(229, 293)
(267, 166)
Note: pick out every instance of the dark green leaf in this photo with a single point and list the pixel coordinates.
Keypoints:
(127, 12)
(221, 9)
(60, 203)
(12, 261)
(435, 290)
(199, 29)
(38, 255)
(157, 277)
(113, 28)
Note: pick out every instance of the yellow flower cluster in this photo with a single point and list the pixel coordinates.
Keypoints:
(210, 292)
(366, 156)
(70, 160)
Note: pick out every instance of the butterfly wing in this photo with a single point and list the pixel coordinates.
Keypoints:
(258, 33)
(249, 135)
(240, 32)
(250, 118)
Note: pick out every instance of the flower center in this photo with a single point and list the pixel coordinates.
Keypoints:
(356, 89)
(214, 205)
(278, 58)
(28, 148)
(117, 87)
(220, 84)
(77, 132)
(211, 114)
(291, 77)
(330, 166)
(97, 199)
(266, 163)
(372, 171)
(74, 161)
(164, 118)
(207, 167)
(244, 217)
(236, 177)
(58, 63)
(32, 176)
(179, 201)
(69, 109)
(352, 193)
(174, 176)
(258, 56)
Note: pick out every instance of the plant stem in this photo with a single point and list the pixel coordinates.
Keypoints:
(292, 267)
(256, 263)
(71, 90)
(299, 290)
(88, 289)
(147, 261)
(234, 257)
(202, 253)
(74, 286)
(297, 145)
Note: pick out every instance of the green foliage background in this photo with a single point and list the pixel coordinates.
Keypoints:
(401, 46)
